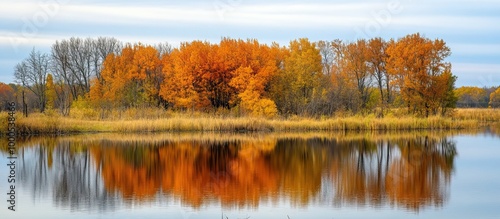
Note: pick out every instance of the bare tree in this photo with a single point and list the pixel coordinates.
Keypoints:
(327, 56)
(163, 49)
(77, 61)
(61, 66)
(102, 47)
(64, 78)
(81, 61)
(32, 74)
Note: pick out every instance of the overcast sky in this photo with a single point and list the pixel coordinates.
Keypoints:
(471, 28)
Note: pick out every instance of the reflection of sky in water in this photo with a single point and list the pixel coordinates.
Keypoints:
(473, 192)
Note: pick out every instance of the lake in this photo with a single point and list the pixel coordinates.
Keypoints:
(304, 175)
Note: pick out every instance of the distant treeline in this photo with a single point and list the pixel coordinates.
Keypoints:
(303, 78)
(476, 97)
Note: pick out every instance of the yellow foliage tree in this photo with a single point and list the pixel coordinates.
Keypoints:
(257, 67)
(495, 99)
(50, 93)
(294, 87)
(472, 97)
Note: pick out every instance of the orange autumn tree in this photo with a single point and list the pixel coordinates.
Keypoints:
(422, 76)
(146, 70)
(129, 79)
(114, 78)
(376, 57)
(351, 76)
(7, 94)
(356, 69)
(181, 71)
(258, 66)
(343, 88)
(201, 75)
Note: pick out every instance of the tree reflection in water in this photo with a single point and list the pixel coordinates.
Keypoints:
(411, 173)
(63, 170)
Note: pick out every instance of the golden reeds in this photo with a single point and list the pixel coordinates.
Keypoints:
(480, 115)
(188, 122)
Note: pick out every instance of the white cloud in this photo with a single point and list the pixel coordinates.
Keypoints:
(472, 68)
(447, 22)
(475, 49)
(17, 9)
(17, 39)
(331, 14)
(319, 15)
(12, 40)
(189, 16)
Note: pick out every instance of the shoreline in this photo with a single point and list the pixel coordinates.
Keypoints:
(54, 124)
(58, 126)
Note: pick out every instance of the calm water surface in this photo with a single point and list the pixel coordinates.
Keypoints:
(358, 175)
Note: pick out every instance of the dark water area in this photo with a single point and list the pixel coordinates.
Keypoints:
(362, 175)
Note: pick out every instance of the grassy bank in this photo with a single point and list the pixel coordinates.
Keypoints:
(480, 115)
(53, 123)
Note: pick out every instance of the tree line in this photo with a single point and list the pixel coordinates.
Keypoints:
(252, 78)
(476, 97)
